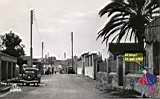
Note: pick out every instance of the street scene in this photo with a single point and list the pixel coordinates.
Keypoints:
(60, 87)
(79, 49)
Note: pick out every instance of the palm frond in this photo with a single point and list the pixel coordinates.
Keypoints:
(122, 32)
(115, 37)
(132, 31)
(150, 10)
(109, 26)
(127, 32)
(110, 33)
(152, 3)
(132, 4)
(124, 10)
(113, 5)
(128, 17)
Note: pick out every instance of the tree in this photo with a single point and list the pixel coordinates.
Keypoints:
(12, 46)
(128, 19)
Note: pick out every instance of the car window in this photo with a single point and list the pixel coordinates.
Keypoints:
(29, 72)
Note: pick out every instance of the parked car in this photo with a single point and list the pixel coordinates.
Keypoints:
(71, 70)
(31, 75)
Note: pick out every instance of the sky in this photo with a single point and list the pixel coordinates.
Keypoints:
(54, 20)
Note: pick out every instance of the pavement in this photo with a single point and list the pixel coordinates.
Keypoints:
(4, 89)
(122, 93)
(67, 86)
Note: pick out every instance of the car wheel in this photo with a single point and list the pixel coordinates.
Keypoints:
(27, 84)
(39, 81)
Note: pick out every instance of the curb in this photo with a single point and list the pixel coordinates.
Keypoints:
(6, 89)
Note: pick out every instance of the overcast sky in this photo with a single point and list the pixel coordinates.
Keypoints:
(54, 21)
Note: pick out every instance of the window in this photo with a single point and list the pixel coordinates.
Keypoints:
(4, 70)
(133, 68)
(14, 69)
(9, 70)
(112, 65)
(91, 60)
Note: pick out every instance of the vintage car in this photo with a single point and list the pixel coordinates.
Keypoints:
(71, 70)
(30, 76)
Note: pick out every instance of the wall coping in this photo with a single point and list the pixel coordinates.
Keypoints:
(113, 73)
(6, 57)
(134, 75)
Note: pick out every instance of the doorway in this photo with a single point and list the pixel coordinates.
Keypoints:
(120, 71)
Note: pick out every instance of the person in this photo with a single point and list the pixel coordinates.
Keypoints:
(52, 70)
(143, 83)
(148, 83)
(158, 86)
(151, 83)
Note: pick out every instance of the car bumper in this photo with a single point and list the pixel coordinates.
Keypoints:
(32, 81)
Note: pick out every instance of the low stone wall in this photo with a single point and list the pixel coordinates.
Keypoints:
(110, 80)
(102, 80)
(113, 79)
(106, 80)
(79, 70)
(131, 80)
(89, 72)
(132, 83)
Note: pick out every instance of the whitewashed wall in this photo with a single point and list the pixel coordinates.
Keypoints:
(89, 71)
(79, 70)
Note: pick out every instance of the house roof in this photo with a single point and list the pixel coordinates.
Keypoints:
(121, 48)
(6, 57)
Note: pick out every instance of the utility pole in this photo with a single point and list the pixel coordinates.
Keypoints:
(42, 49)
(72, 47)
(31, 49)
(42, 53)
(64, 55)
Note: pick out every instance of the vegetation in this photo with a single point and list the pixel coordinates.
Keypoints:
(128, 19)
(12, 46)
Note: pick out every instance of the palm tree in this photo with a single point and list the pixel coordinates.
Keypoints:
(128, 19)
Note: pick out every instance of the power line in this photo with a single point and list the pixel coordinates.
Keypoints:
(37, 27)
(35, 19)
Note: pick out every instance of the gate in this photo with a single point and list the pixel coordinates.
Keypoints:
(120, 71)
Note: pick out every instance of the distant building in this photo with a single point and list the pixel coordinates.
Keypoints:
(88, 65)
(52, 62)
(27, 60)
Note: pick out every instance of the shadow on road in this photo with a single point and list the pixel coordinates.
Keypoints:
(121, 93)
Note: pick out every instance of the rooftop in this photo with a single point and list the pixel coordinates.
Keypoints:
(121, 48)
